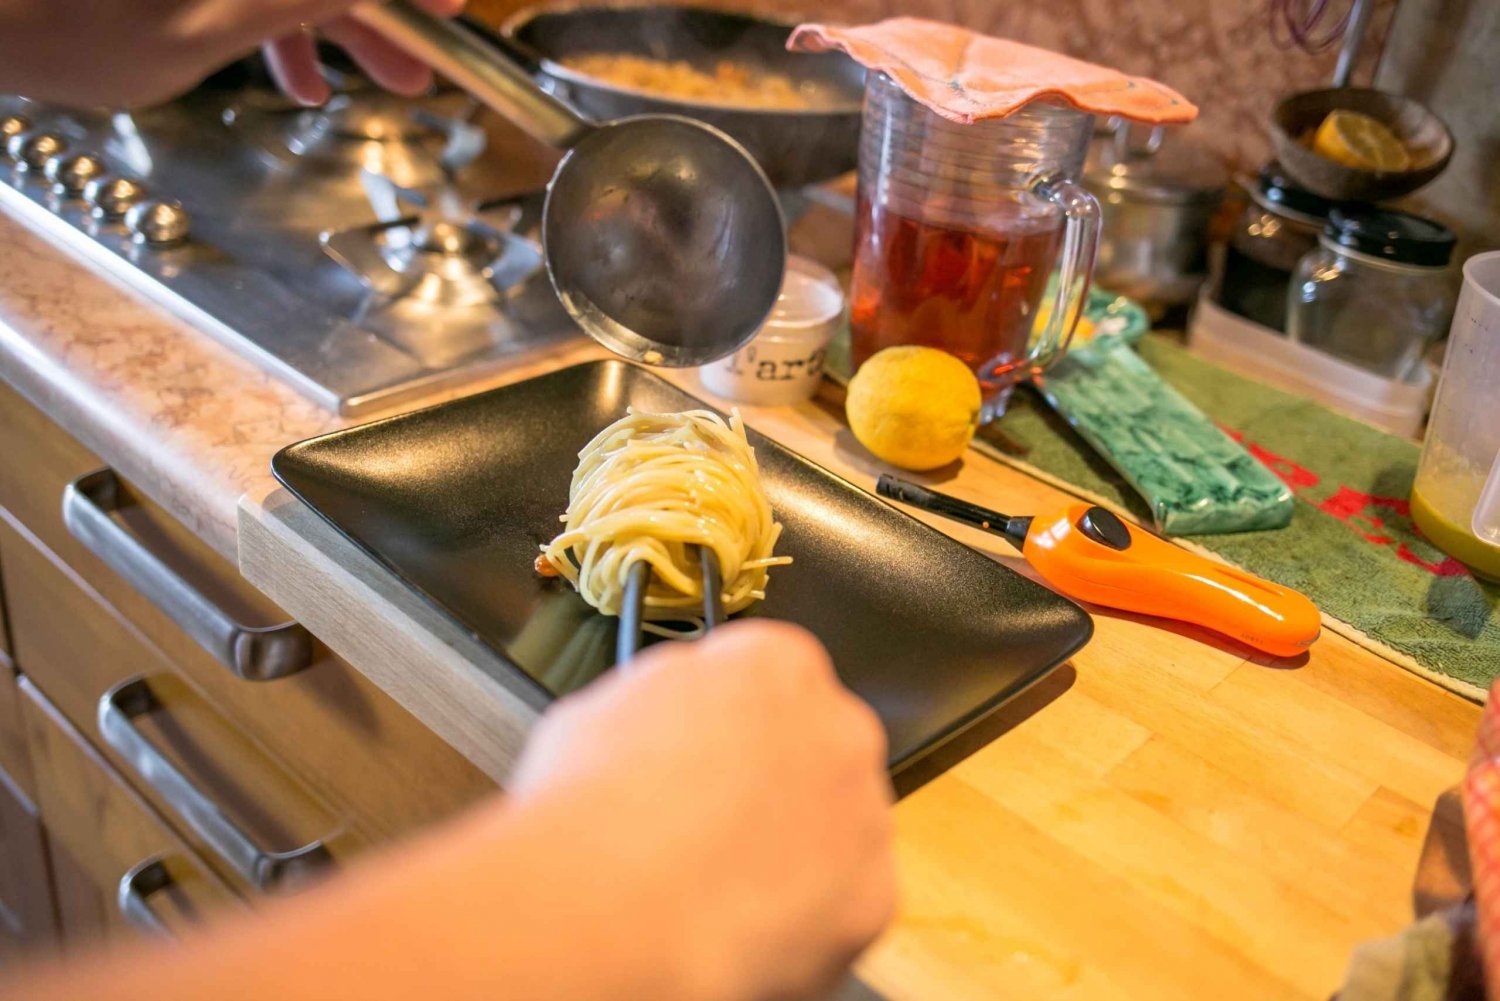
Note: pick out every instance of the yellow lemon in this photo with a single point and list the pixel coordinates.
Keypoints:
(914, 407)
(1357, 140)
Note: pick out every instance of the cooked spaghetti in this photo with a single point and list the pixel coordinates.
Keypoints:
(655, 487)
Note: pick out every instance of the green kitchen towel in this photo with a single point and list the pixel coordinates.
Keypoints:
(1351, 546)
(1194, 478)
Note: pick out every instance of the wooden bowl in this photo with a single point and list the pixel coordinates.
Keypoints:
(1422, 133)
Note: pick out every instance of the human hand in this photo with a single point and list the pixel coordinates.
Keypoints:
(743, 790)
(125, 53)
(293, 58)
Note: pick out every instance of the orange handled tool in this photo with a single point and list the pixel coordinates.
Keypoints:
(1088, 553)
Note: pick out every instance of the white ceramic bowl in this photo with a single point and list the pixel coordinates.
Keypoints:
(783, 363)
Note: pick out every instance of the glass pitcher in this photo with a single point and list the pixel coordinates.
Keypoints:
(1456, 499)
(959, 229)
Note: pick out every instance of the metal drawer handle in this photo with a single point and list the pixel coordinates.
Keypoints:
(143, 879)
(251, 652)
(262, 869)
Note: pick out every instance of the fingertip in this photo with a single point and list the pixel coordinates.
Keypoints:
(293, 64)
(313, 96)
(766, 631)
(876, 740)
(413, 82)
(382, 60)
(773, 642)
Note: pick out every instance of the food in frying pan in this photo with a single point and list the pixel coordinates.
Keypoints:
(656, 488)
(730, 83)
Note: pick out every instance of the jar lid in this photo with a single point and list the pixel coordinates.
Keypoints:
(1279, 192)
(1390, 235)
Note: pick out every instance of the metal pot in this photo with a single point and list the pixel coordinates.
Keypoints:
(1158, 199)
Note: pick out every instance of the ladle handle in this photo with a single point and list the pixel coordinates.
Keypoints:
(478, 67)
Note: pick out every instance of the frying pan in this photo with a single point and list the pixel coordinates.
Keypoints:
(795, 147)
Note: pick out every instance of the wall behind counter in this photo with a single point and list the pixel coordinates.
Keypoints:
(1220, 53)
(1442, 52)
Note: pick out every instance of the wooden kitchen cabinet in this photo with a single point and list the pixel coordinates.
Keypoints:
(27, 920)
(27, 917)
(386, 773)
(319, 758)
(4, 631)
(13, 761)
(12, 744)
(100, 833)
(77, 651)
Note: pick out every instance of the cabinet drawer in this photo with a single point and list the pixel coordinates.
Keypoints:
(232, 800)
(12, 741)
(388, 773)
(26, 918)
(41, 459)
(4, 630)
(125, 869)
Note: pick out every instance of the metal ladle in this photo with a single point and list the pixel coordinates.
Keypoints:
(663, 237)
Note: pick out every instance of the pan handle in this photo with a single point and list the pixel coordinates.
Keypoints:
(514, 49)
(480, 67)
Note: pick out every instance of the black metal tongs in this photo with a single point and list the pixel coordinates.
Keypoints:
(633, 608)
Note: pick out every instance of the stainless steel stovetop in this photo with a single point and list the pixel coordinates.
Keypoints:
(368, 253)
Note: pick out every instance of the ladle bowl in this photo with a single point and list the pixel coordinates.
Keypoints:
(663, 237)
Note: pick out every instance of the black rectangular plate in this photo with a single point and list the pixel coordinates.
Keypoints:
(456, 499)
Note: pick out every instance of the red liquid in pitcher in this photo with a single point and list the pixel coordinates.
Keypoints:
(972, 294)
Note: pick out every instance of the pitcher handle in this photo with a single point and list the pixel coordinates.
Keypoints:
(1075, 268)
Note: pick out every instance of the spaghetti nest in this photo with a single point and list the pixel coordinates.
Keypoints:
(655, 487)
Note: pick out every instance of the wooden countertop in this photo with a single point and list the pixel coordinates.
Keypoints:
(1168, 817)
(1165, 817)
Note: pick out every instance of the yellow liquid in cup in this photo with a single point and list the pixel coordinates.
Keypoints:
(1454, 539)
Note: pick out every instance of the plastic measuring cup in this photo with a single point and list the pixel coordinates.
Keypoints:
(1486, 520)
(1456, 498)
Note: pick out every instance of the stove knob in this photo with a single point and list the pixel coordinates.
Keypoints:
(112, 197)
(159, 223)
(32, 150)
(10, 127)
(71, 173)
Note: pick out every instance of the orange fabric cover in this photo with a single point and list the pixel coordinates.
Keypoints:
(967, 77)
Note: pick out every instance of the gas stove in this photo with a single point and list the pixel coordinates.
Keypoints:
(368, 252)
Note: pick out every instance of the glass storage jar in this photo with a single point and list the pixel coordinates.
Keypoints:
(1376, 290)
(1277, 229)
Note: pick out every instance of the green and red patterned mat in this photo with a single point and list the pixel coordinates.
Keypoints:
(1351, 546)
